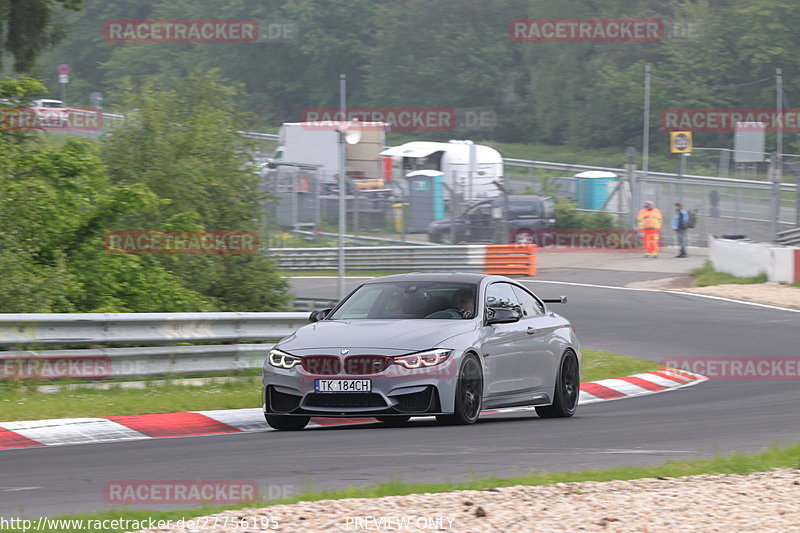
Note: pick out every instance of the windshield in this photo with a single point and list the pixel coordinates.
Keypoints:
(409, 300)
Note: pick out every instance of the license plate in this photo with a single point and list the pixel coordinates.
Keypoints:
(343, 385)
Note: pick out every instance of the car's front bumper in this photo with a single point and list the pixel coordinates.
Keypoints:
(419, 392)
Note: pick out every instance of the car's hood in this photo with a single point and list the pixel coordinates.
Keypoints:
(390, 336)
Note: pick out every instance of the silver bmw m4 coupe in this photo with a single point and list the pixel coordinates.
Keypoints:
(444, 345)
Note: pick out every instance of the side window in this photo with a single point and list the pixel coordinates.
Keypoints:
(501, 295)
(530, 306)
(480, 210)
(527, 208)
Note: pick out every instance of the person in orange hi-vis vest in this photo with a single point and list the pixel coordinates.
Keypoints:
(649, 220)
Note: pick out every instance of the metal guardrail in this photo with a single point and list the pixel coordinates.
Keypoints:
(366, 238)
(313, 304)
(142, 328)
(258, 136)
(23, 336)
(463, 258)
(789, 237)
(666, 177)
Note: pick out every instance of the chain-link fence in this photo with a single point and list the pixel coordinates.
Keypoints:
(756, 210)
(305, 199)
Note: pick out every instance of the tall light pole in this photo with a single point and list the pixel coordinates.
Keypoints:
(342, 181)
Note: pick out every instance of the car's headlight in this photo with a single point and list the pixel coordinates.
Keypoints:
(281, 359)
(422, 359)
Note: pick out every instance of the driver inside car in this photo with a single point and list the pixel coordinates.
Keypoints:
(464, 302)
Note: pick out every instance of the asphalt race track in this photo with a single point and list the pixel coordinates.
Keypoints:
(699, 421)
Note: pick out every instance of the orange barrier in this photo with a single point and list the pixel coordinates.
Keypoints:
(510, 259)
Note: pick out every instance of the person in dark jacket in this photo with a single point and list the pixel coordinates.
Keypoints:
(680, 221)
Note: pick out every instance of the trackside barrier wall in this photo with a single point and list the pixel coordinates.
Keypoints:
(489, 259)
(746, 259)
(407, 258)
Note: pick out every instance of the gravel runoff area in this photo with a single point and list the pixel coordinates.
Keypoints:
(763, 293)
(758, 502)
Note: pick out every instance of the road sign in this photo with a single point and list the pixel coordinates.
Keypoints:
(63, 69)
(680, 142)
(63, 78)
(749, 140)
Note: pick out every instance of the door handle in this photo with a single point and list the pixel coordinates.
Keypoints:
(531, 330)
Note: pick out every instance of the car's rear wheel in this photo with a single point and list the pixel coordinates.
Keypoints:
(523, 236)
(287, 423)
(469, 394)
(567, 390)
(393, 421)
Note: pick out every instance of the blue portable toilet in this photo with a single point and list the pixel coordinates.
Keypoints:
(593, 188)
(425, 199)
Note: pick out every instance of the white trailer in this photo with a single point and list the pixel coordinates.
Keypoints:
(458, 160)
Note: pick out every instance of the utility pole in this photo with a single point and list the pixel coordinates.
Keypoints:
(630, 172)
(646, 122)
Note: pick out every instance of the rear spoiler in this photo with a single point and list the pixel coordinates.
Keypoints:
(559, 300)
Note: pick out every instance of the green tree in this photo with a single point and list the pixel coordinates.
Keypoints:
(27, 27)
(56, 203)
(179, 140)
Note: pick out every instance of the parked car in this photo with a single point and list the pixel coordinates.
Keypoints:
(443, 345)
(527, 214)
(48, 103)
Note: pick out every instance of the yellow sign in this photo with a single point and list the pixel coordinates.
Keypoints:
(680, 142)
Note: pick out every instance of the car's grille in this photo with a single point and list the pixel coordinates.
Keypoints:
(345, 399)
(365, 364)
(322, 365)
(355, 365)
(418, 401)
(282, 402)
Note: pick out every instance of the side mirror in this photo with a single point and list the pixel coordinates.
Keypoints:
(316, 316)
(501, 315)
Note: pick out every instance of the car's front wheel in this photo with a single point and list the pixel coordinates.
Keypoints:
(567, 390)
(469, 394)
(287, 423)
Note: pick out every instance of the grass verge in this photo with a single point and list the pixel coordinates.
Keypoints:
(599, 365)
(22, 401)
(707, 276)
(775, 457)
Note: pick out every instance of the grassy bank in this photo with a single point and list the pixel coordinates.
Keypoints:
(788, 457)
(707, 276)
(22, 401)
